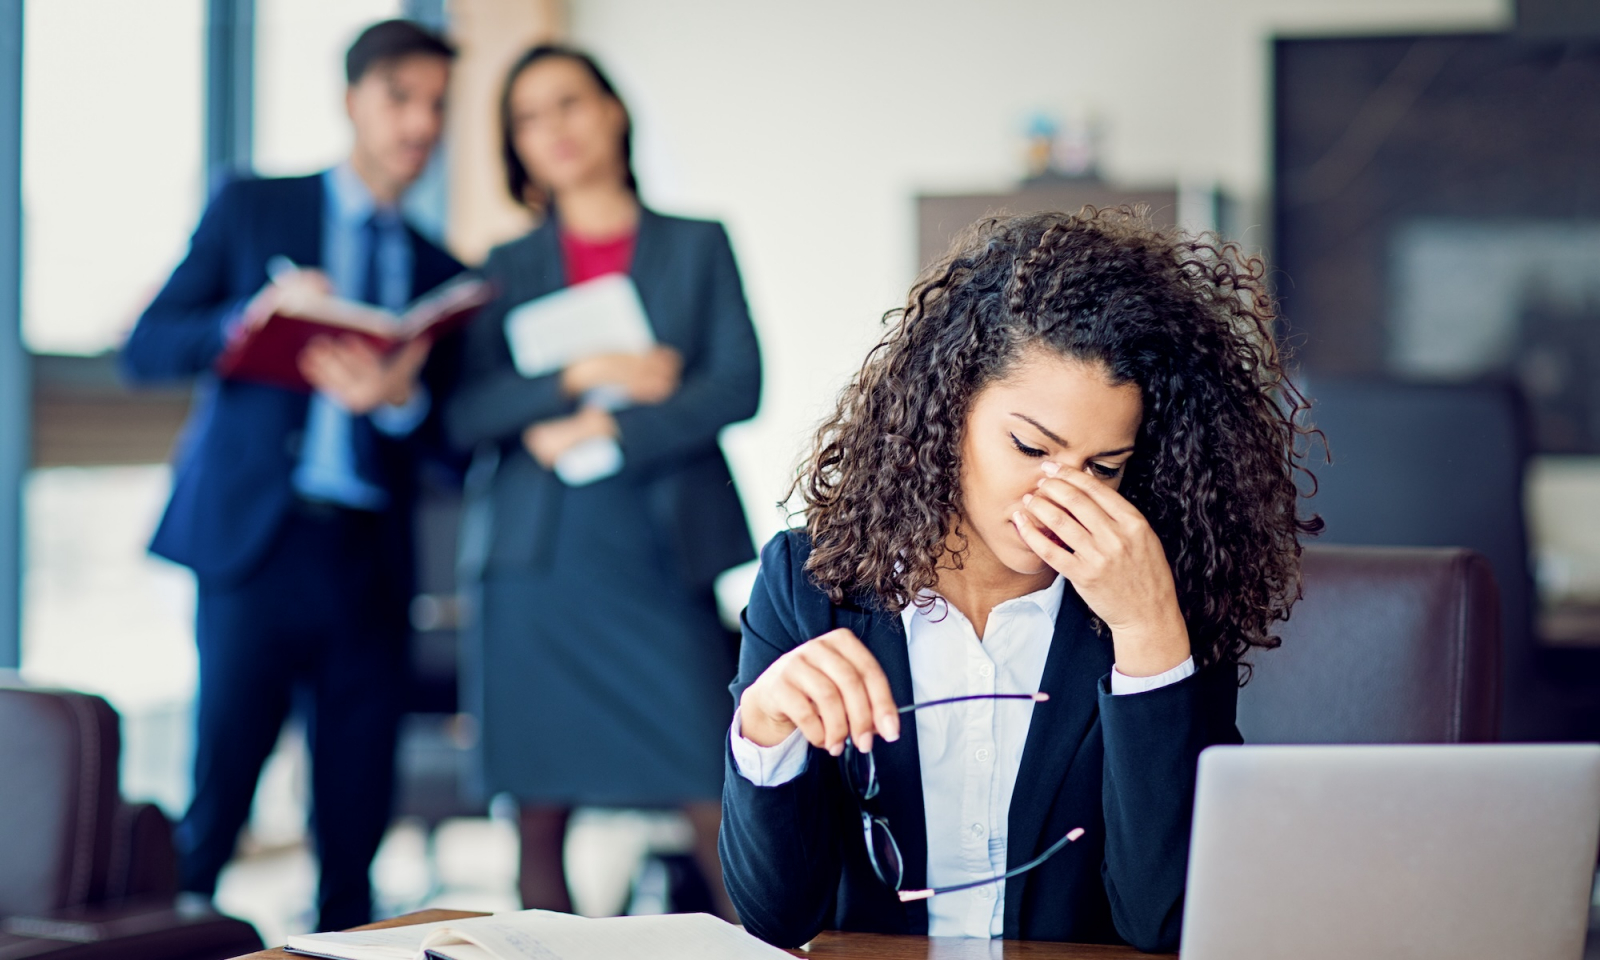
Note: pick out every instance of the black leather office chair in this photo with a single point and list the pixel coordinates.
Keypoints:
(86, 875)
(1442, 465)
(1388, 645)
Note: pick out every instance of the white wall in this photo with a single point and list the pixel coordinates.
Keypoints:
(809, 127)
(300, 123)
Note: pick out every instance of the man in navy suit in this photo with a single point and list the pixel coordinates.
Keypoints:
(293, 510)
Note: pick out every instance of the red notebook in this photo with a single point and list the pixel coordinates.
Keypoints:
(268, 351)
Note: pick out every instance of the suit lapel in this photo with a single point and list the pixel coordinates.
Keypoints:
(545, 271)
(303, 224)
(303, 240)
(651, 254)
(1078, 658)
(899, 765)
(425, 267)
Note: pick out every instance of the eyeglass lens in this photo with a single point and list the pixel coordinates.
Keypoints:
(860, 772)
(885, 852)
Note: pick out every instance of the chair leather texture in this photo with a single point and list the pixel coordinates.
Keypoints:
(86, 873)
(58, 799)
(1387, 645)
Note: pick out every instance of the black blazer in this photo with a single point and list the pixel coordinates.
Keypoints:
(690, 286)
(231, 486)
(1122, 767)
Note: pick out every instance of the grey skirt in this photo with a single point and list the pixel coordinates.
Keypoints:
(602, 680)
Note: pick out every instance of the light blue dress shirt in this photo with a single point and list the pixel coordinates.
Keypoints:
(327, 468)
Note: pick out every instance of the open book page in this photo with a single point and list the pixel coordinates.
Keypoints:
(539, 935)
(466, 292)
(392, 943)
(459, 951)
(603, 315)
(463, 293)
(336, 312)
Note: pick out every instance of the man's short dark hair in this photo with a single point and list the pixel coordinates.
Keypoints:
(390, 41)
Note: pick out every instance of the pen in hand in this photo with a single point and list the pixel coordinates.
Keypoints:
(280, 268)
(288, 275)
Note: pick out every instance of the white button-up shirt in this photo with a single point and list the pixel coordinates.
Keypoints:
(969, 752)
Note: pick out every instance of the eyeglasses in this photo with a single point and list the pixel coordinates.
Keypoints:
(860, 772)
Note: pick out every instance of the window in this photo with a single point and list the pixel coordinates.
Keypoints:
(100, 615)
(111, 162)
(300, 45)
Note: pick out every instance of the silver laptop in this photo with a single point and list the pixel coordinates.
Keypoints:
(1379, 852)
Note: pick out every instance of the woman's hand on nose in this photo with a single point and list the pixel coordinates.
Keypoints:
(1098, 540)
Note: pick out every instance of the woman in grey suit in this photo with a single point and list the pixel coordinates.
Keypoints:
(598, 665)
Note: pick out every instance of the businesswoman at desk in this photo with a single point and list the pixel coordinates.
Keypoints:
(598, 664)
(1051, 512)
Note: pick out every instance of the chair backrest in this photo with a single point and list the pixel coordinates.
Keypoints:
(1428, 465)
(1388, 645)
(58, 798)
(1443, 465)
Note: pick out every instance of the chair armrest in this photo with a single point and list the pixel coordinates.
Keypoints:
(146, 928)
(143, 861)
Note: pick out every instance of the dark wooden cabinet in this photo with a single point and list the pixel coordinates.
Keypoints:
(941, 218)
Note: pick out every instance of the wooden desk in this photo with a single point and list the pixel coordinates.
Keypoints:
(849, 946)
(877, 946)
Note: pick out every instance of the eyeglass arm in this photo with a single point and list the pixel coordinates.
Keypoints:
(1039, 697)
(906, 896)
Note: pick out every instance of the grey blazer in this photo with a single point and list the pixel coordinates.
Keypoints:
(690, 286)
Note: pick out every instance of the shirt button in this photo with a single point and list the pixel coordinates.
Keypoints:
(977, 829)
(986, 892)
(987, 670)
(982, 754)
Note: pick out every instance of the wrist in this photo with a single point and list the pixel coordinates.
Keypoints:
(400, 394)
(581, 376)
(756, 726)
(598, 423)
(571, 381)
(1150, 649)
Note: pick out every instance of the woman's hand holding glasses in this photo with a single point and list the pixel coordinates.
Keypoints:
(1100, 542)
(831, 688)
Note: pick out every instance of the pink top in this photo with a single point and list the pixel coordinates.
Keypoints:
(587, 259)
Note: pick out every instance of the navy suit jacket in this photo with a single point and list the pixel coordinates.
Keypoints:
(1121, 767)
(231, 486)
(690, 286)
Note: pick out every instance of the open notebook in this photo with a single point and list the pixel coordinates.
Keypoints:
(267, 349)
(543, 935)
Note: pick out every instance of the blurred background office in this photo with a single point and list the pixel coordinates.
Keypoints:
(1420, 172)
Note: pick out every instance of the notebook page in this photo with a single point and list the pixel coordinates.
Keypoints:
(538, 935)
(459, 951)
(391, 943)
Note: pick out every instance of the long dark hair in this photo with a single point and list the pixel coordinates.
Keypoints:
(519, 182)
(1187, 319)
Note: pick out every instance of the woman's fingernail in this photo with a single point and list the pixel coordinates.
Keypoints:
(1050, 467)
(836, 749)
(889, 727)
(1016, 518)
(864, 743)
(1027, 498)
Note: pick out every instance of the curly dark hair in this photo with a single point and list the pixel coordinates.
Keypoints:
(1188, 319)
